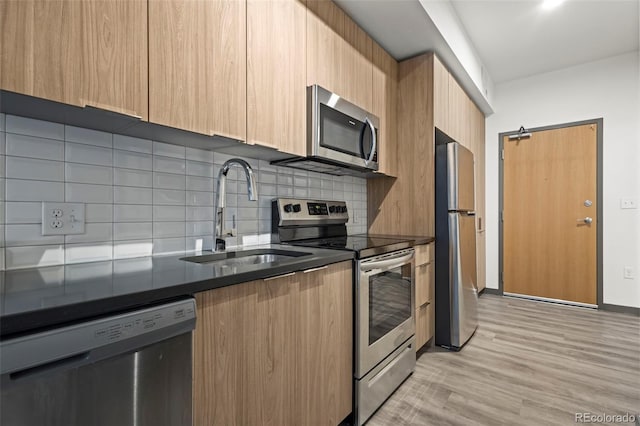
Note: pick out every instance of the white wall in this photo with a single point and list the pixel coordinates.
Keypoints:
(448, 23)
(609, 89)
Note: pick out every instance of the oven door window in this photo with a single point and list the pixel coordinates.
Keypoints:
(389, 301)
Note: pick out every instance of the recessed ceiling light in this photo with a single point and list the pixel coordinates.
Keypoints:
(551, 4)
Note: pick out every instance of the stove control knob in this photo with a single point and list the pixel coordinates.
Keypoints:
(297, 208)
(343, 209)
(288, 208)
(332, 209)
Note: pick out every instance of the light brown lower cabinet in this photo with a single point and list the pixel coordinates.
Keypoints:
(276, 351)
(424, 293)
(424, 324)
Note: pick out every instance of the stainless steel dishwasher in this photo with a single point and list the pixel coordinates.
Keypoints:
(132, 369)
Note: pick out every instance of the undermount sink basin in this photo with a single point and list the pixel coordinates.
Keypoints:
(246, 257)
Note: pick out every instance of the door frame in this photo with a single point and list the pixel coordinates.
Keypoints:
(599, 187)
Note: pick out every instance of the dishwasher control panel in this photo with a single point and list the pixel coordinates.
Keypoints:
(139, 322)
(78, 341)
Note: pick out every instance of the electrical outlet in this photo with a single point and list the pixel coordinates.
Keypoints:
(628, 203)
(629, 273)
(62, 218)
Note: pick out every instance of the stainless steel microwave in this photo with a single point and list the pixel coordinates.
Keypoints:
(342, 138)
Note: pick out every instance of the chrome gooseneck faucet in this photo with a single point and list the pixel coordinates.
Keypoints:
(220, 232)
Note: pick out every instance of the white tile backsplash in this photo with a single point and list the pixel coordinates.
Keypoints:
(168, 197)
(199, 243)
(198, 183)
(29, 235)
(199, 228)
(33, 190)
(32, 127)
(199, 213)
(169, 165)
(132, 231)
(132, 160)
(142, 197)
(94, 232)
(34, 147)
(28, 257)
(132, 213)
(32, 168)
(94, 252)
(168, 150)
(169, 213)
(199, 198)
(98, 213)
(132, 248)
(88, 154)
(129, 143)
(169, 181)
(132, 195)
(197, 168)
(23, 212)
(88, 136)
(168, 229)
(169, 245)
(85, 173)
(88, 193)
(131, 177)
(199, 155)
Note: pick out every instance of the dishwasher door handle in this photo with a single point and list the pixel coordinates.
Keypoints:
(60, 364)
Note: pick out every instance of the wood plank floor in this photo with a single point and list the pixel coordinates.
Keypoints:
(529, 363)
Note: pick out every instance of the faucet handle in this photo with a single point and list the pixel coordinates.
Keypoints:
(220, 244)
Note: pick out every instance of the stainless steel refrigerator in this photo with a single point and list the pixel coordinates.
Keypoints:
(456, 292)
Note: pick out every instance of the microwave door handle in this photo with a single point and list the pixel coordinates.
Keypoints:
(374, 140)
(362, 155)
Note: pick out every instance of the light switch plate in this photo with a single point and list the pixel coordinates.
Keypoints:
(629, 273)
(62, 218)
(628, 203)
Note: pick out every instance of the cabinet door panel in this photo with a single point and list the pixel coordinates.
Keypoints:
(324, 385)
(276, 74)
(79, 52)
(197, 65)
(270, 349)
(440, 96)
(385, 92)
(218, 343)
(339, 53)
(422, 330)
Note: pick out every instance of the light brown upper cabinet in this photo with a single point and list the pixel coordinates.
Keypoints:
(385, 93)
(79, 52)
(339, 53)
(197, 66)
(440, 95)
(276, 75)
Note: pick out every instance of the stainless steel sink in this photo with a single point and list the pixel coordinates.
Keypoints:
(246, 257)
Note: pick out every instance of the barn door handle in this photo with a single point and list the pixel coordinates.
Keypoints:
(586, 220)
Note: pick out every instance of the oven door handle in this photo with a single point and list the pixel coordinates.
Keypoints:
(386, 263)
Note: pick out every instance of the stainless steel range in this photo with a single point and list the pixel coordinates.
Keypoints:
(383, 294)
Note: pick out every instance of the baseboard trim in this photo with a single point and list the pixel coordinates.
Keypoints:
(488, 290)
(620, 309)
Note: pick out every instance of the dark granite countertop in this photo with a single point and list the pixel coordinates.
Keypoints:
(417, 239)
(39, 298)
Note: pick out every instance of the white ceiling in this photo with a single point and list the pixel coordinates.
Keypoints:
(513, 38)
